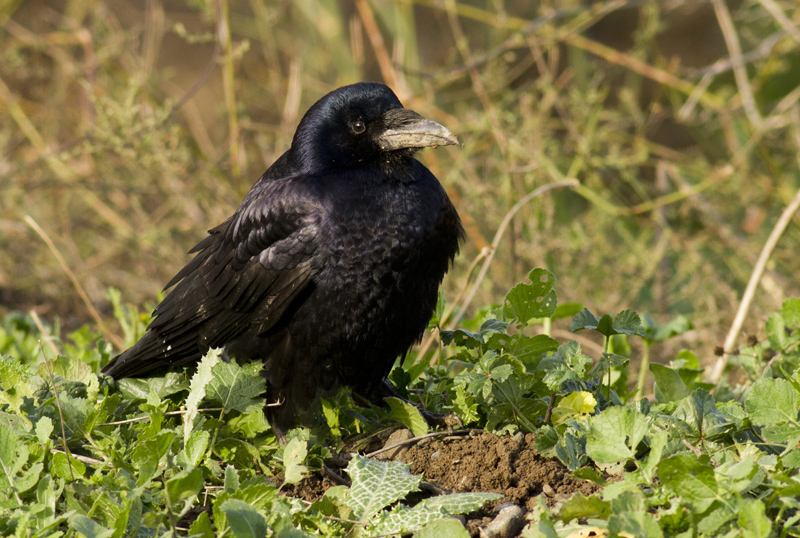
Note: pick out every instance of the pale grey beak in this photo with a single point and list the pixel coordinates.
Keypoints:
(407, 129)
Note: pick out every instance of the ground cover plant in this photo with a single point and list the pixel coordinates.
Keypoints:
(192, 454)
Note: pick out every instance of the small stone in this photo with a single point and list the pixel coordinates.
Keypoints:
(548, 490)
(508, 523)
(436, 455)
(397, 437)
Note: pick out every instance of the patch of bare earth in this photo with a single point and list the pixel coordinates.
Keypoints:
(508, 465)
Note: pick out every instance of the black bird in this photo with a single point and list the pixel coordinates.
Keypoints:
(328, 270)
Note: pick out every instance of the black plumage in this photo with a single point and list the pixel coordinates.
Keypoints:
(328, 270)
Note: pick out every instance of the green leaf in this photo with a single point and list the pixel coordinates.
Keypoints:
(580, 404)
(614, 435)
(529, 348)
(566, 310)
(753, 520)
(583, 320)
(243, 519)
(669, 385)
(535, 300)
(691, 479)
(237, 387)
(231, 483)
(408, 415)
(196, 447)
(377, 484)
(580, 507)
(201, 527)
(628, 322)
(772, 401)
(699, 410)
(294, 454)
(44, 429)
(197, 390)
(468, 339)
(184, 485)
(791, 312)
(442, 528)
(88, 527)
(14, 375)
(140, 389)
(61, 466)
(458, 503)
(658, 333)
(567, 363)
(776, 332)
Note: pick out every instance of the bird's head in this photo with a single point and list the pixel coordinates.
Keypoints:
(363, 124)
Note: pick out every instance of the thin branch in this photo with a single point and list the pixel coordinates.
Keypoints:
(420, 438)
(755, 278)
(739, 71)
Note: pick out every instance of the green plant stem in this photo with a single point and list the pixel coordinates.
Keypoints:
(643, 371)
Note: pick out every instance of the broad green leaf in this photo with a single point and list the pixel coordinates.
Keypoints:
(231, 483)
(577, 404)
(583, 320)
(691, 479)
(772, 401)
(197, 390)
(658, 333)
(61, 466)
(201, 527)
(14, 386)
(535, 300)
(699, 411)
(471, 340)
(44, 428)
(377, 484)
(669, 385)
(408, 415)
(402, 519)
(529, 348)
(571, 451)
(791, 312)
(567, 363)
(184, 485)
(566, 310)
(458, 503)
(88, 527)
(140, 389)
(580, 507)
(237, 387)
(243, 519)
(753, 520)
(628, 322)
(196, 447)
(442, 528)
(606, 362)
(294, 454)
(776, 332)
(614, 435)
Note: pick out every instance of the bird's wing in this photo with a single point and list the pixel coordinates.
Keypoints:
(244, 276)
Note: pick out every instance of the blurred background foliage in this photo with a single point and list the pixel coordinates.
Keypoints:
(128, 127)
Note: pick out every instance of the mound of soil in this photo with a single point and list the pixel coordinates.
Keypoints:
(485, 462)
(508, 465)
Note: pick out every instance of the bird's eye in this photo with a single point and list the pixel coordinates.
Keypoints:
(358, 127)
